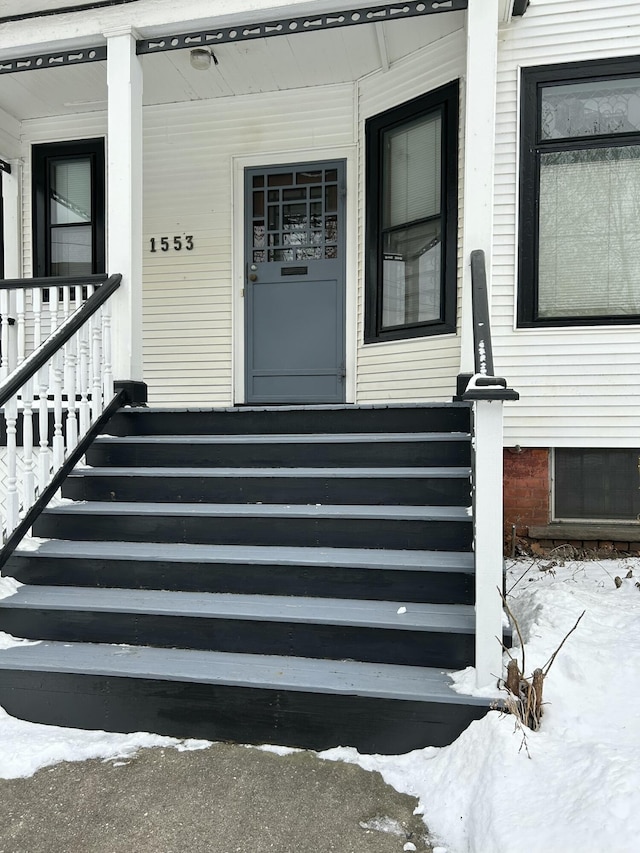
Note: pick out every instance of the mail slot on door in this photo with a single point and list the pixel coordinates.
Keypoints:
(294, 270)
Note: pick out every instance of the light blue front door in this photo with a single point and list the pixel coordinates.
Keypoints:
(295, 283)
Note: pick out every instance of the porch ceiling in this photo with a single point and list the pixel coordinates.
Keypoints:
(260, 65)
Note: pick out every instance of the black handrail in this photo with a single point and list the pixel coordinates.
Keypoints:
(52, 281)
(482, 348)
(62, 334)
(486, 386)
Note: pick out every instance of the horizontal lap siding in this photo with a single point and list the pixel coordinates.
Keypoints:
(578, 387)
(188, 190)
(419, 368)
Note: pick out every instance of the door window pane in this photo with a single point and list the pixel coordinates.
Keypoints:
(589, 246)
(298, 226)
(285, 180)
(294, 216)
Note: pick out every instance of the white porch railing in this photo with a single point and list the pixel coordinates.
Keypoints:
(32, 309)
(488, 394)
(56, 393)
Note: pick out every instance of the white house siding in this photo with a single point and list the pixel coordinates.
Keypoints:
(187, 311)
(419, 368)
(578, 386)
(188, 190)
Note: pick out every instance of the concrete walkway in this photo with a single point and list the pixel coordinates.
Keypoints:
(225, 799)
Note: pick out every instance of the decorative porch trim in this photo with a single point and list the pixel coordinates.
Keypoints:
(5, 167)
(246, 32)
(290, 26)
(54, 60)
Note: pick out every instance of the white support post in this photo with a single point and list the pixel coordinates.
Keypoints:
(124, 213)
(480, 121)
(487, 498)
(11, 208)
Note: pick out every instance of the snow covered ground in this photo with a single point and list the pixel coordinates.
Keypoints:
(572, 787)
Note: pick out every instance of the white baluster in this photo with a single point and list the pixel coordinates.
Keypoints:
(13, 332)
(58, 437)
(4, 333)
(28, 485)
(54, 304)
(106, 351)
(36, 303)
(44, 455)
(66, 300)
(21, 326)
(70, 386)
(83, 357)
(96, 373)
(12, 507)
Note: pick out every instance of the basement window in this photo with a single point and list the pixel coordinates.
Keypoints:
(597, 484)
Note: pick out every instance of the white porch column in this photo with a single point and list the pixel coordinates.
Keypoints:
(487, 488)
(480, 120)
(11, 220)
(124, 200)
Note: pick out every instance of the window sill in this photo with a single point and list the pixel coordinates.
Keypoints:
(615, 531)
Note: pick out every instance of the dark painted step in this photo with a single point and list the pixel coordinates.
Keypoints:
(411, 576)
(316, 704)
(374, 631)
(390, 486)
(436, 417)
(285, 450)
(414, 528)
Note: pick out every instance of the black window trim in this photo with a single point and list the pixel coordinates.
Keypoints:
(531, 146)
(445, 100)
(41, 155)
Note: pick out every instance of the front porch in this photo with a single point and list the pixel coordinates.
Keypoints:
(183, 315)
(263, 260)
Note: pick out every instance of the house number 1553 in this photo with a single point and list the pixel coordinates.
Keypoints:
(176, 243)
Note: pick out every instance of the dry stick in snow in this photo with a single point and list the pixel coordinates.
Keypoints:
(525, 695)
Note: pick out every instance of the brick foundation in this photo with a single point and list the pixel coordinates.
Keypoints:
(527, 504)
(526, 490)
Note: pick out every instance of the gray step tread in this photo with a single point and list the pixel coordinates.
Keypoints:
(287, 438)
(317, 473)
(263, 608)
(356, 558)
(318, 511)
(391, 681)
(317, 407)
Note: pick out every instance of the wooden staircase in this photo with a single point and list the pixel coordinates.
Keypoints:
(301, 576)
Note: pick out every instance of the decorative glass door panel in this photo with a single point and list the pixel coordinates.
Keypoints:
(295, 283)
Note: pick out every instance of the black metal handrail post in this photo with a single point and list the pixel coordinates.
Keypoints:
(484, 385)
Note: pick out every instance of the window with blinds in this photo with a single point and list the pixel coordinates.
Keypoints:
(580, 194)
(68, 195)
(411, 218)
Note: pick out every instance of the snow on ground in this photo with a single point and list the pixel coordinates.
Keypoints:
(572, 787)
